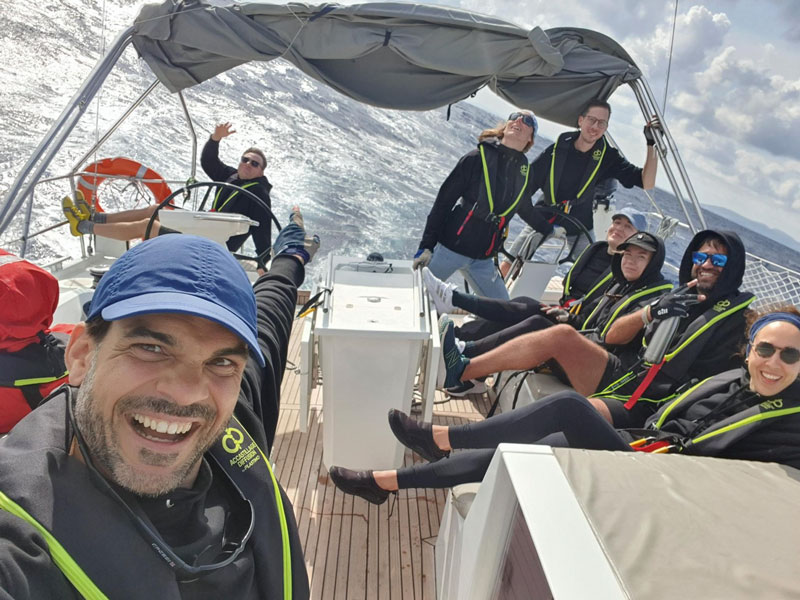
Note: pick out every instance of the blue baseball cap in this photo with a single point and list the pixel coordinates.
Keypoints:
(635, 217)
(184, 274)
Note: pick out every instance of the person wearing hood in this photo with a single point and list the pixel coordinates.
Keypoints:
(470, 216)
(586, 281)
(636, 280)
(625, 389)
(750, 413)
(248, 174)
(31, 350)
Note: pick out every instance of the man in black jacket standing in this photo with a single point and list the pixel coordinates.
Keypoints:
(151, 478)
(248, 174)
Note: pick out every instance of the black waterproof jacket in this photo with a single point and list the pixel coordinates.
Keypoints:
(39, 472)
(624, 297)
(460, 219)
(570, 183)
(579, 284)
(722, 417)
(236, 202)
(707, 342)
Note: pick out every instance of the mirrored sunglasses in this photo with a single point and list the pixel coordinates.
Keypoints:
(787, 355)
(718, 260)
(529, 120)
(250, 161)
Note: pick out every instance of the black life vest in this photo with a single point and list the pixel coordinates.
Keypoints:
(28, 375)
(111, 557)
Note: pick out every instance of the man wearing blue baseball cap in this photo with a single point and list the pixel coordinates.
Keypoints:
(148, 476)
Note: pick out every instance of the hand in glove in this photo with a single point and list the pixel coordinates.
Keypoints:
(648, 131)
(675, 304)
(293, 241)
(422, 258)
(562, 315)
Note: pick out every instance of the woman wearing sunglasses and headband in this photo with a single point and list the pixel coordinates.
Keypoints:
(750, 413)
(470, 216)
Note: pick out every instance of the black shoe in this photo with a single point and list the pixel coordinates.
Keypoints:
(415, 435)
(359, 483)
(473, 386)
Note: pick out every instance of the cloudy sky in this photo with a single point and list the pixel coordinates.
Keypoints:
(733, 97)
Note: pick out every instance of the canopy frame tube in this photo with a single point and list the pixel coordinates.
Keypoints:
(41, 158)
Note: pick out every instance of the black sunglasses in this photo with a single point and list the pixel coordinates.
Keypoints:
(529, 120)
(250, 161)
(718, 260)
(788, 355)
(231, 547)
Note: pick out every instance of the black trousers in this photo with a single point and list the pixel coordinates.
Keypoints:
(565, 419)
(498, 321)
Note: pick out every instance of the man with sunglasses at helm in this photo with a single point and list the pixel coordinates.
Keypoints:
(148, 476)
(249, 175)
(470, 216)
(568, 171)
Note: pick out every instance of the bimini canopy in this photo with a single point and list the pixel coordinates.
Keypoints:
(392, 55)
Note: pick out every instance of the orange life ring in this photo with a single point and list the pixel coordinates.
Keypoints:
(88, 184)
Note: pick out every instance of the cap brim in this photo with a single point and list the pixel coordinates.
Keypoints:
(642, 245)
(187, 304)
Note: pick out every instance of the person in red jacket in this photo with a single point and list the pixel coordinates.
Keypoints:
(31, 352)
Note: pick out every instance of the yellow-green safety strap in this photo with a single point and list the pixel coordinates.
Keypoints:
(489, 186)
(79, 580)
(585, 185)
(691, 338)
(231, 197)
(287, 551)
(38, 380)
(755, 418)
(633, 298)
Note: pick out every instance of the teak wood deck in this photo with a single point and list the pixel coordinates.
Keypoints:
(354, 549)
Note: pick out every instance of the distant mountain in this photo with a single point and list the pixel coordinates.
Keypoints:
(765, 230)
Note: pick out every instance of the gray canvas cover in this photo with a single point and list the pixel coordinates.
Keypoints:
(691, 527)
(392, 55)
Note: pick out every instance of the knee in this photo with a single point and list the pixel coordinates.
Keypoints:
(565, 333)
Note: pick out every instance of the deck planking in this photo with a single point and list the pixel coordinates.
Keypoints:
(354, 549)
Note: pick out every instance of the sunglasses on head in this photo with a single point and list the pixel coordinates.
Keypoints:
(718, 260)
(250, 161)
(527, 119)
(787, 355)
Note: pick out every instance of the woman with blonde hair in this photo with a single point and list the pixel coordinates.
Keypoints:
(469, 219)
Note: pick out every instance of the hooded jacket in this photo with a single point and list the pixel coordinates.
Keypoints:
(460, 219)
(706, 342)
(235, 202)
(31, 357)
(722, 417)
(624, 297)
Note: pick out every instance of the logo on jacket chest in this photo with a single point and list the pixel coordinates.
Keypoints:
(597, 155)
(722, 306)
(523, 170)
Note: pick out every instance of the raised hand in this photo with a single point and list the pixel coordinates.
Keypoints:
(222, 130)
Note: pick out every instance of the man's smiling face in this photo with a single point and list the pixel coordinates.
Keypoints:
(706, 273)
(155, 393)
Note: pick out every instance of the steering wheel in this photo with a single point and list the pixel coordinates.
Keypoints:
(518, 261)
(211, 185)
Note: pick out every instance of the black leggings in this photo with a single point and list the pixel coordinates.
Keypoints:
(565, 419)
(498, 321)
